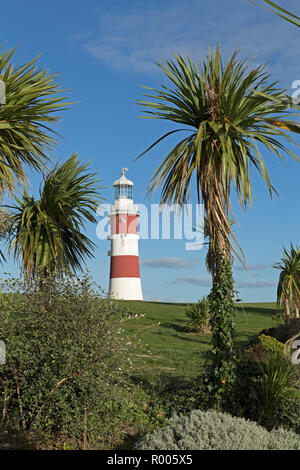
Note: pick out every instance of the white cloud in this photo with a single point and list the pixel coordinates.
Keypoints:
(255, 284)
(196, 280)
(169, 263)
(206, 282)
(140, 34)
(252, 267)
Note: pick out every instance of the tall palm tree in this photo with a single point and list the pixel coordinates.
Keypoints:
(226, 110)
(32, 101)
(47, 233)
(288, 290)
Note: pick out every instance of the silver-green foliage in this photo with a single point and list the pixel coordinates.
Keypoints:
(212, 430)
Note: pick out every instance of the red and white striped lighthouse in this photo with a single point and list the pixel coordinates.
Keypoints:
(125, 281)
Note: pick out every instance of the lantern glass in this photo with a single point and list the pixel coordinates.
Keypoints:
(123, 191)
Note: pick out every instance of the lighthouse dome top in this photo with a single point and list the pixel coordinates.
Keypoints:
(123, 181)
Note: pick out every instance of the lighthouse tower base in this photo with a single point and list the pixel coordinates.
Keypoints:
(126, 288)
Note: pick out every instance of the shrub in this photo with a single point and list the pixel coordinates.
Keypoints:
(288, 413)
(240, 398)
(265, 390)
(211, 430)
(65, 353)
(270, 344)
(263, 345)
(277, 378)
(198, 315)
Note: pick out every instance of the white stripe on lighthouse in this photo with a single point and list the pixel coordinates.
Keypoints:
(126, 288)
(125, 246)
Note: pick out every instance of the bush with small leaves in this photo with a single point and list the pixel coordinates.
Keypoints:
(212, 430)
(65, 354)
(270, 344)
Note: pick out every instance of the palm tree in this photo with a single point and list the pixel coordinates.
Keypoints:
(226, 110)
(31, 102)
(47, 233)
(288, 290)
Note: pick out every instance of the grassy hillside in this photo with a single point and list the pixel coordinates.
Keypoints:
(169, 348)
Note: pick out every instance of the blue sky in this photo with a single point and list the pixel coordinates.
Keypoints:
(102, 51)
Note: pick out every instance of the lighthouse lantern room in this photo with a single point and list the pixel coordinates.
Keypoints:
(125, 281)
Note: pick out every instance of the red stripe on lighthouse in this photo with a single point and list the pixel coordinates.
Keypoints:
(124, 223)
(124, 266)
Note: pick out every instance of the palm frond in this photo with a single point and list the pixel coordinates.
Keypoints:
(282, 12)
(33, 101)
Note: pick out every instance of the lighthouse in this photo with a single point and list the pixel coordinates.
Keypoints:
(125, 281)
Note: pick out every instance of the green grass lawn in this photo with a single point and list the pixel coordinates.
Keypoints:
(169, 348)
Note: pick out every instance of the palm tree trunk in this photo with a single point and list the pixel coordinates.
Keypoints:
(222, 292)
(221, 300)
(288, 317)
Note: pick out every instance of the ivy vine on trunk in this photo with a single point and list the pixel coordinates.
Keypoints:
(221, 299)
